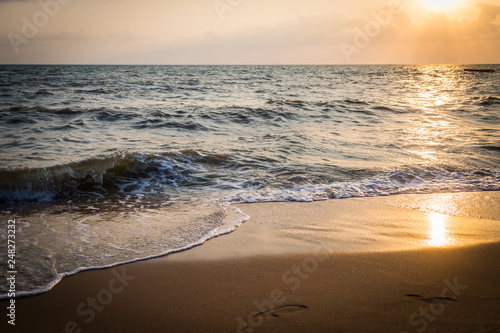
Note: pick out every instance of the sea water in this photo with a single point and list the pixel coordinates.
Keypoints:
(101, 165)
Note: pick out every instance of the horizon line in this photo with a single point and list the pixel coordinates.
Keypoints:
(257, 64)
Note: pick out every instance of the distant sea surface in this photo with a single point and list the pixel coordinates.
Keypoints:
(108, 164)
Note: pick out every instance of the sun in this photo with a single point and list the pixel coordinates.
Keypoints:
(441, 5)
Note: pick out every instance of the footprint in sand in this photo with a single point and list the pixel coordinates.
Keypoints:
(282, 311)
(445, 300)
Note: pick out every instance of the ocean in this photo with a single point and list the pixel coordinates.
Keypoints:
(102, 165)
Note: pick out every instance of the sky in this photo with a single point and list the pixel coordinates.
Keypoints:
(249, 31)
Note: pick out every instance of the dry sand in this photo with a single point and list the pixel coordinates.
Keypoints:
(357, 265)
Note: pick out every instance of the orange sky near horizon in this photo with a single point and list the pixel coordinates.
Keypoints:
(249, 31)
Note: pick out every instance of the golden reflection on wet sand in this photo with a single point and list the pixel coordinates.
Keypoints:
(439, 234)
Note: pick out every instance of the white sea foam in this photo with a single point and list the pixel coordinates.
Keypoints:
(233, 218)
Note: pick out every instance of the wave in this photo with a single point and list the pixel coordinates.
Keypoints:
(180, 125)
(483, 100)
(112, 174)
(41, 109)
(490, 100)
(98, 91)
(43, 92)
(34, 114)
(44, 184)
(340, 105)
(491, 148)
(302, 102)
(405, 181)
(126, 175)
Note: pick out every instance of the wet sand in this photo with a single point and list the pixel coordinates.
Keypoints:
(410, 263)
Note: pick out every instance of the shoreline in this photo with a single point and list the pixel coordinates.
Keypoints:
(281, 262)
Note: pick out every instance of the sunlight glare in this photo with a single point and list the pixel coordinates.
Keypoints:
(441, 5)
(438, 233)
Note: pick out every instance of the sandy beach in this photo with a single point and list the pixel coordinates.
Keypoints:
(250, 166)
(408, 263)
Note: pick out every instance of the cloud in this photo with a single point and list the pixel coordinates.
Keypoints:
(440, 27)
(306, 38)
(486, 21)
(450, 39)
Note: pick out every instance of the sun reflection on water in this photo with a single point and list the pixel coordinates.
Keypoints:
(432, 130)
